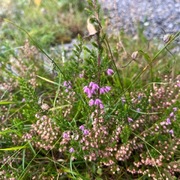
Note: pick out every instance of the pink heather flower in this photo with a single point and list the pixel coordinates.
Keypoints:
(101, 106)
(82, 127)
(71, 150)
(130, 119)
(67, 84)
(81, 75)
(171, 131)
(172, 114)
(108, 88)
(175, 109)
(87, 91)
(178, 84)
(110, 72)
(168, 121)
(93, 87)
(85, 132)
(65, 135)
(102, 90)
(138, 109)
(91, 102)
(98, 102)
(105, 89)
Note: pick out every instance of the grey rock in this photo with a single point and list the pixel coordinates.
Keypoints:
(155, 16)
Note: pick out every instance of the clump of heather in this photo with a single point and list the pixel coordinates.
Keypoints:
(164, 96)
(43, 134)
(83, 122)
(22, 64)
(25, 64)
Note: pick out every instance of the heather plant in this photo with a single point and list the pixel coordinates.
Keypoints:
(92, 117)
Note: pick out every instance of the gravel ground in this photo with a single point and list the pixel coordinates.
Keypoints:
(156, 16)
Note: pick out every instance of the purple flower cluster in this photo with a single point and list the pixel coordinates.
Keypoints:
(169, 121)
(93, 89)
(85, 131)
(96, 102)
(105, 89)
(67, 85)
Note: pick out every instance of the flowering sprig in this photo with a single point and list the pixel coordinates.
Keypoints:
(93, 89)
(105, 89)
(67, 85)
(96, 102)
(85, 131)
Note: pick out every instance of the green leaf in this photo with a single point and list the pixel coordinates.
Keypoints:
(99, 171)
(7, 131)
(95, 45)
(87, 49)
(47, 80)
(59, 107)
(13, 148)
(6, 102)
(125, 134)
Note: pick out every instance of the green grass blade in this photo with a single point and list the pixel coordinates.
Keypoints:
(6, 102)
(13, 148)
(47, 80)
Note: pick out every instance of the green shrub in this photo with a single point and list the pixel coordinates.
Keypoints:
(93, 117)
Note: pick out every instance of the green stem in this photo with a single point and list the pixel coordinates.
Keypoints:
(114, 64)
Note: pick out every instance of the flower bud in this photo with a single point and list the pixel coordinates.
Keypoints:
(134, 55)
(166, 38)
